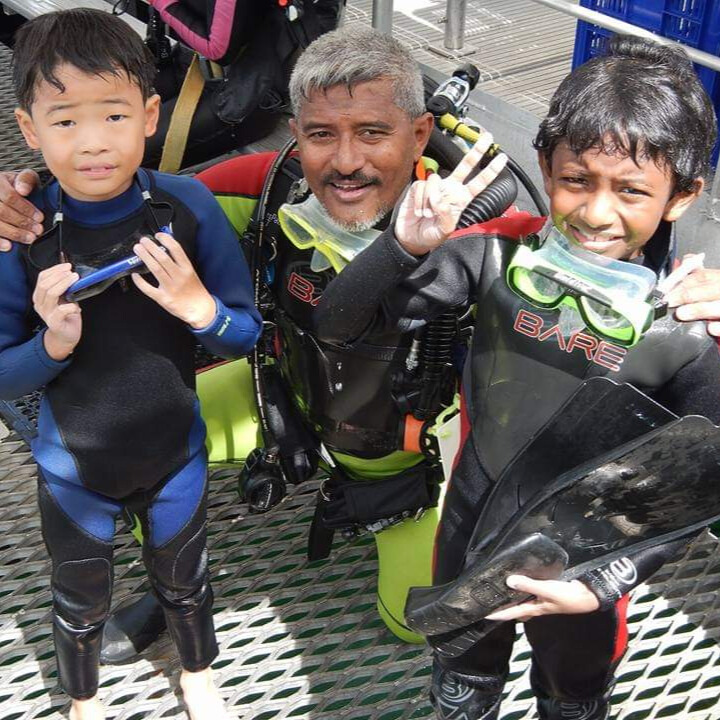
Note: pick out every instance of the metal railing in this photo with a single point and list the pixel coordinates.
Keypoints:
(620, 26)
(455, 25)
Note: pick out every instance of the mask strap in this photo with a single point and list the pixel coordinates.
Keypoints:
(58, 218)
(150, 206)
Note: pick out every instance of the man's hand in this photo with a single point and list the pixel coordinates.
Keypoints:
(431, 208)
(697, 297)
(552, 597)
(63, 319)
(20, 220)
(180, 291)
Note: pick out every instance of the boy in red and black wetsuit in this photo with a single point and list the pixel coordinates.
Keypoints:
(119, 423)
(623, 152)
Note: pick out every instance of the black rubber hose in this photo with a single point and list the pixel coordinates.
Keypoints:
(491, 202)
(529, 185)
(435, 359)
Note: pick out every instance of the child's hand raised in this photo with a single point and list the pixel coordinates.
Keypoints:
(63, 319)
(431, 208)
(180, 291)
(552, 597)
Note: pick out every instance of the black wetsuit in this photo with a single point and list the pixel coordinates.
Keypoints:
(520, 371)
(119, 423)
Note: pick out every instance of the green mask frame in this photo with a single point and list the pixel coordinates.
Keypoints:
(616, 300)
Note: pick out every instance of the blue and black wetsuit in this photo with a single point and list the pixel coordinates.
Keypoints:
(119, 423)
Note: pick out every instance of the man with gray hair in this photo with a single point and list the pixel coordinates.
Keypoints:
(358, 95)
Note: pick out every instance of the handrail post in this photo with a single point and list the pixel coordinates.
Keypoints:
(455, 24)
(382, 15)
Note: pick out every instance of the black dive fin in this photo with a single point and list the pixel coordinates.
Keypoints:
(600, 416)
(651, 490)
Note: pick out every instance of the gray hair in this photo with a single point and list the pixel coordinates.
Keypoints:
(352, 55)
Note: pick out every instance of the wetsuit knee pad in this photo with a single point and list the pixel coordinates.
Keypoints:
(179, 575)
(457, 696)
(82, 565)
(82, 590)
(81, 593)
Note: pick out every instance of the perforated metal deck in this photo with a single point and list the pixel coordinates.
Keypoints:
(523, 49)
(14, 153)
(304, 642)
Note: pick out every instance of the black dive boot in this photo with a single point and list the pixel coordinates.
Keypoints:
(555, 709)
(456, 696)
(132, 629)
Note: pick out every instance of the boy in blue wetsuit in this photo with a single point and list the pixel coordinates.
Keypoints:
(119, 423)
(623, 151)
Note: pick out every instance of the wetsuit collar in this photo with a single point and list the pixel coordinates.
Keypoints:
(104, 212)
(659, 252)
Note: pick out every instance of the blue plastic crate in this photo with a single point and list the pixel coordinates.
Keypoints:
(695, 23)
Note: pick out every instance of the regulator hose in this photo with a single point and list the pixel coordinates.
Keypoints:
(491, 202)
(437, 373)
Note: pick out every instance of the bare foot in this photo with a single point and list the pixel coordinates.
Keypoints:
(91, 709)
(202, 698)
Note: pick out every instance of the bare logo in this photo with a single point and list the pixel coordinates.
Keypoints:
(578, 711)
(454, 693)
(624, 571)
(597, 351)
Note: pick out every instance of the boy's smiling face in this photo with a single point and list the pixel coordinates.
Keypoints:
(609, 203)
(92, 135)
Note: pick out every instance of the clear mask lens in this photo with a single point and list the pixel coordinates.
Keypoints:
(602, 316)
(612, 295)
(308, 225)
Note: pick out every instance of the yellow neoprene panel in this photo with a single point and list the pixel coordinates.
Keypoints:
(238, 209)
(404, 560)
(228, 409)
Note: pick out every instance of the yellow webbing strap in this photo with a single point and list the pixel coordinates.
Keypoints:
(179, 129)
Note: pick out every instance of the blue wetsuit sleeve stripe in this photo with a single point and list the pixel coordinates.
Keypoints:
(24, 363)
(222, 268)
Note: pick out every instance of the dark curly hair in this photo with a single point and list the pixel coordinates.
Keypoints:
(641, 99)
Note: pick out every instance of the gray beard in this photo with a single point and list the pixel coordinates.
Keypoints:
(356, 226)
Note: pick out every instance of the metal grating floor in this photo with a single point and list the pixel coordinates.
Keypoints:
(14, 153)
(522, 49)
(301, 641)
(304, 641)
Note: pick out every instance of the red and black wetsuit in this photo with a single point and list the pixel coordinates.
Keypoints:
(520, 371)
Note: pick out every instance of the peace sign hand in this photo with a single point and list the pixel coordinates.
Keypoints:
(431, 208)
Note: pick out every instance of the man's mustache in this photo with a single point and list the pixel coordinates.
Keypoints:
(356, 177)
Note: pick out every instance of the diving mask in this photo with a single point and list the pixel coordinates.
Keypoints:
(616, 300)
(308, 225)
(99, 269)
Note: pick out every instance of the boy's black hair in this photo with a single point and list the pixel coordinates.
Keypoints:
(93, 41)
(640, 99)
